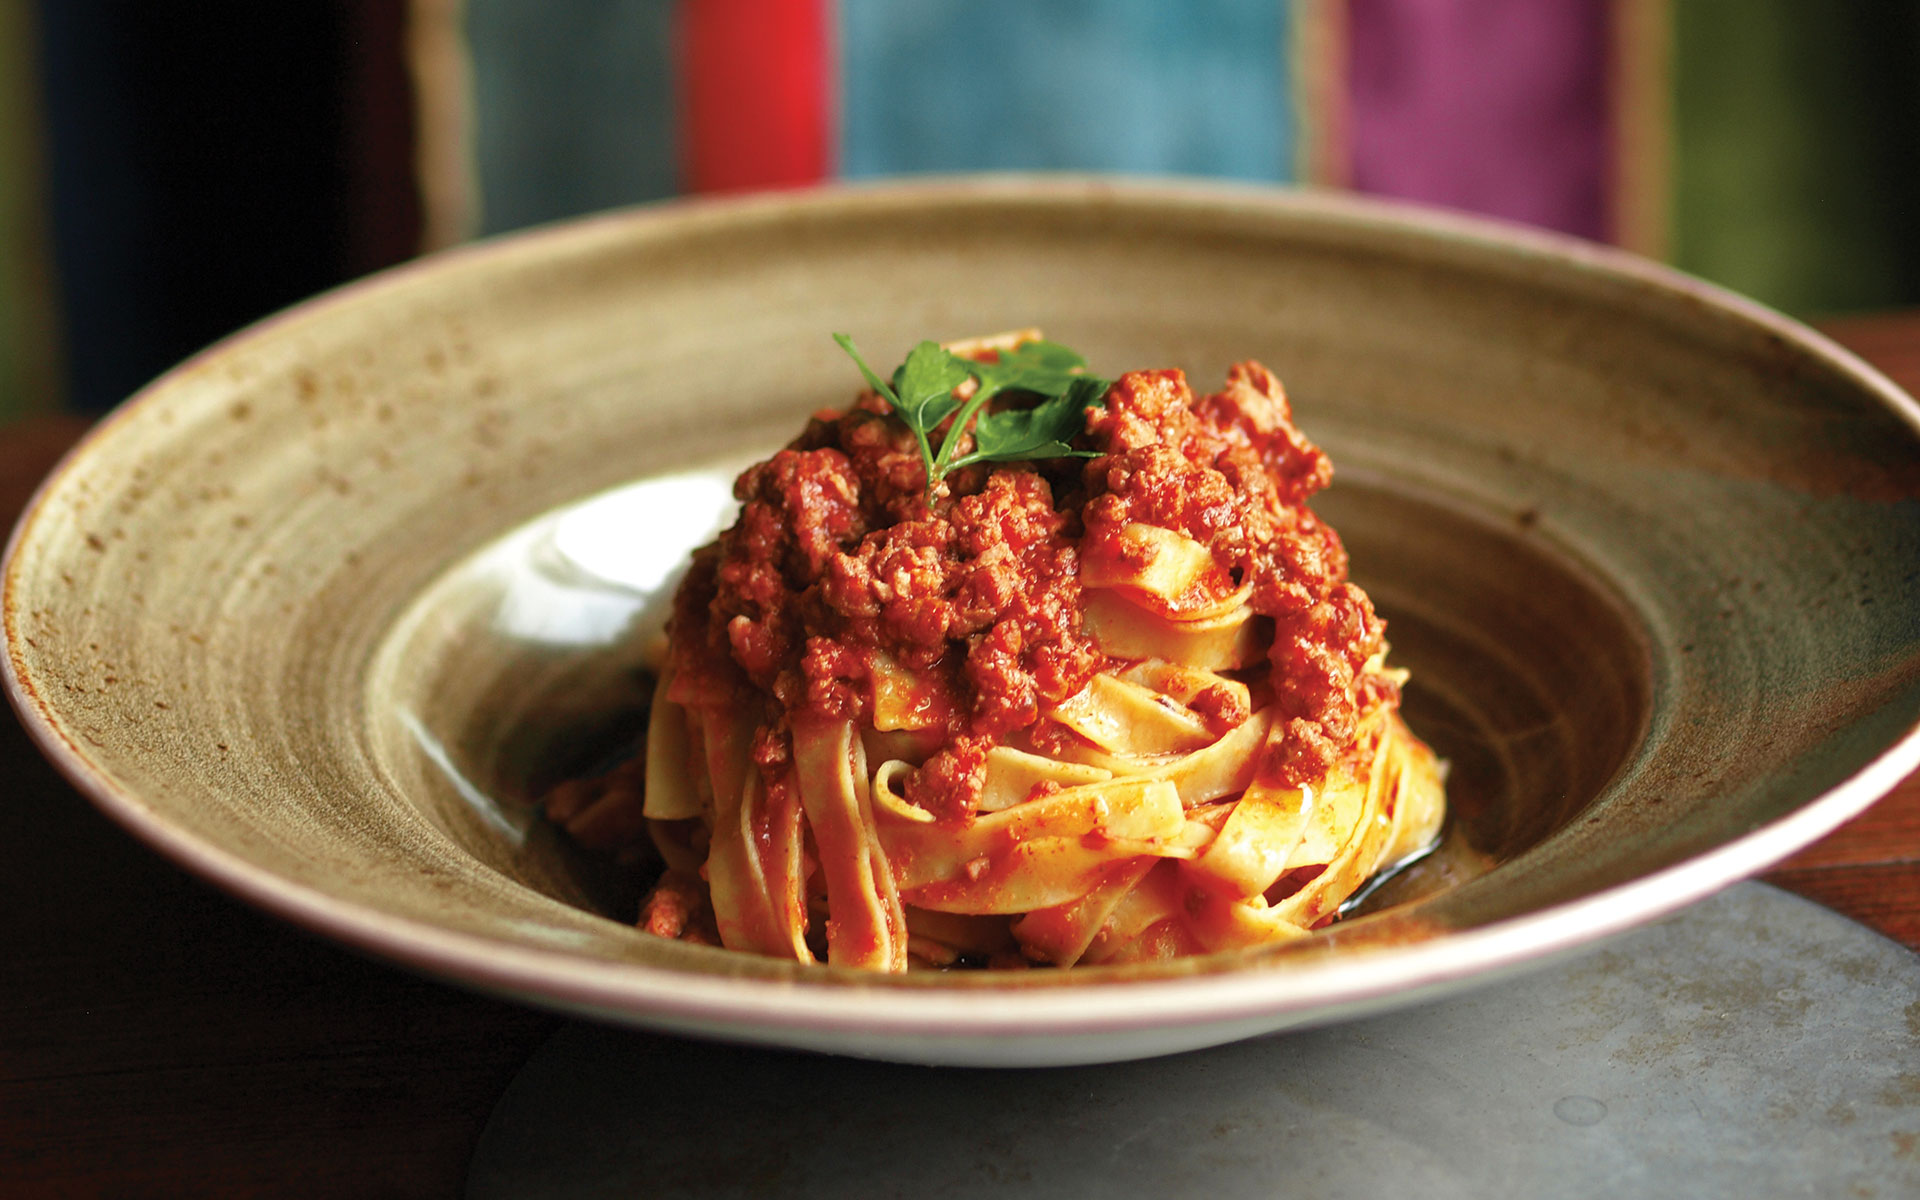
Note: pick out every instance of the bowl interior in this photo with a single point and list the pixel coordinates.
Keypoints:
(309, 614)
(524, 665)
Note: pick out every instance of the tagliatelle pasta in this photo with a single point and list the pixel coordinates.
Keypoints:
(1086, 685)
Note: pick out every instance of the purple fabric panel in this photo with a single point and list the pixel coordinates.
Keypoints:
(1495, 106)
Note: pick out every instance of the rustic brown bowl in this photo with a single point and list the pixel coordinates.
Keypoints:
(318, 612)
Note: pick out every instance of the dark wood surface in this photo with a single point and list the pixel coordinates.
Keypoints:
(159, 1039)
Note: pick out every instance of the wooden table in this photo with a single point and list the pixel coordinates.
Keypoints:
(157, 1038)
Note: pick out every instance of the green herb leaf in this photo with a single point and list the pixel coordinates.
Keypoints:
(921, 394)
(1044, 368)
(1043, 431)
(925, 384)
(1047, 369)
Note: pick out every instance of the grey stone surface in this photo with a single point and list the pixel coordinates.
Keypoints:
(1754, 1045)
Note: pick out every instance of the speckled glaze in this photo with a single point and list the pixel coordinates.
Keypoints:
(294, 615)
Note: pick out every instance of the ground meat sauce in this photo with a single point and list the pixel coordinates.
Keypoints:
(838, 564)
(1232, 471)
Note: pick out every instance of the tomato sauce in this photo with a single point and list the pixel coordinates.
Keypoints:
(839, 558)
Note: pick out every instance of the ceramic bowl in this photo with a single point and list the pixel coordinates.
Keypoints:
(317, 614)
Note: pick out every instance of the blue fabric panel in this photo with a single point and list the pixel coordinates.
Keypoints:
(1196, 87)
(573, 107)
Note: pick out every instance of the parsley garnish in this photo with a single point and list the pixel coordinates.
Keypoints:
(921, 394)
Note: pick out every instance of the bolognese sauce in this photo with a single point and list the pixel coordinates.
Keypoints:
(1105, 693)
(838, 559)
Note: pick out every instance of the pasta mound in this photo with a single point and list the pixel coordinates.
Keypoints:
(1086, 709)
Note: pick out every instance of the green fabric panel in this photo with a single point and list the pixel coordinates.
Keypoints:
(16, 181)
(1794, 168)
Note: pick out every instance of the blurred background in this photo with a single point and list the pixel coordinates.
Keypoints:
(172, 171)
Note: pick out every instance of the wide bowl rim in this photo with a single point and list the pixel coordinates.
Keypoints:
(834, 1003)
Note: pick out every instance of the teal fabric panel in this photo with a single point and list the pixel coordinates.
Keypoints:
(1138, 86)
(573, 107)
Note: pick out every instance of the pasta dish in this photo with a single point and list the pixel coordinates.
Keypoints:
(1088, 685)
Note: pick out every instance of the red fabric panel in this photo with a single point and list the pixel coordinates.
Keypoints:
(755, 105)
